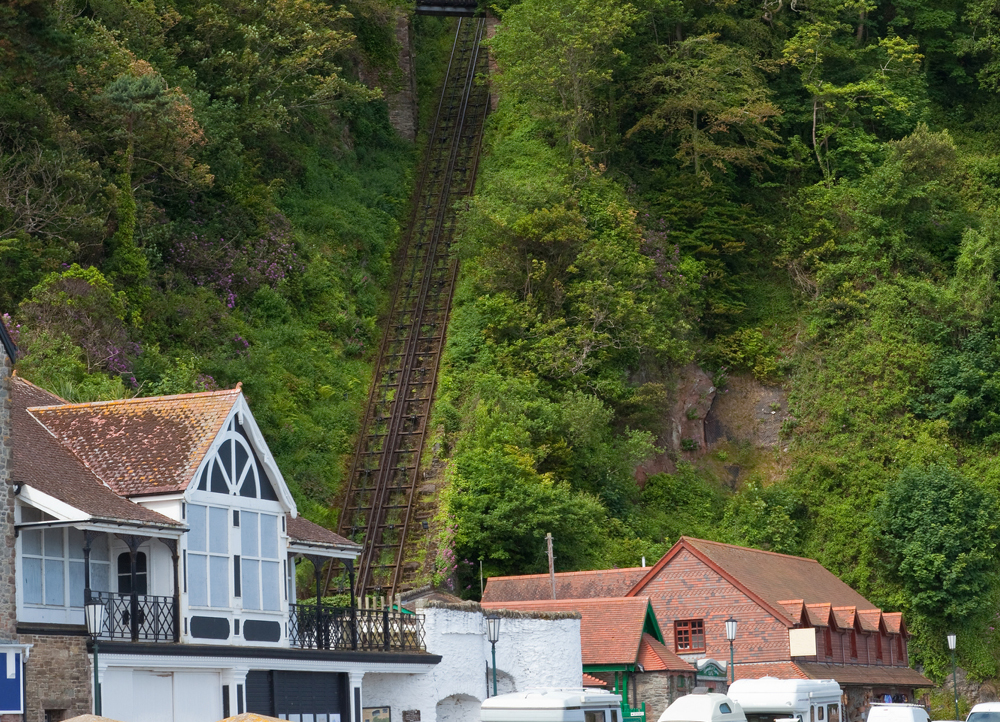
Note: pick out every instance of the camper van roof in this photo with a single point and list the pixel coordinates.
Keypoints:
(710, 707)
(553, 698)
(773, 685)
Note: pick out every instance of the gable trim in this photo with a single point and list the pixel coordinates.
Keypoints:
(683, 544)
(241, 412)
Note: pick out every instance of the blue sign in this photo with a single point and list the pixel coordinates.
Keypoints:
(11, 687)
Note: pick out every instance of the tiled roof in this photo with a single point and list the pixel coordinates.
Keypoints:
(770, 576)
(794, 608)
(301, 529)
(610, 629)
(818, 614)
(591, 681)
(893, 622)
(42, 463)
(781, 670)
(142, 445)
(655, 657)
(844, 616)
(870, 619)
(569, 585)
(864, 674)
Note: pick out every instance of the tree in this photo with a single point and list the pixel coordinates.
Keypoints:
(937, 534)
(714, 101)
(553, 55)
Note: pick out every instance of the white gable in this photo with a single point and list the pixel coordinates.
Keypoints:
(239, 464)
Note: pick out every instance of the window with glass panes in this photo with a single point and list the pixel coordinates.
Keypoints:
(689, 635)
(52, 567)
(261, 582)
(208, 556)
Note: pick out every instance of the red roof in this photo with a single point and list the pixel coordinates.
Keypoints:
(894, 622)
(610, 629)
(303, 530)
(870, 619)
(143, 445)
(42, 463)
(655, 657)
(768, 577)
(858, 674)
(818, 614)
(591, 681)
(602, 583)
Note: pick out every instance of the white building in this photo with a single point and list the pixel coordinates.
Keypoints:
(172, 514)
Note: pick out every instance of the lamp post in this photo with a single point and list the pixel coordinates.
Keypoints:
(731, 635)
(952, 640)
(493, 634)
(93, 612)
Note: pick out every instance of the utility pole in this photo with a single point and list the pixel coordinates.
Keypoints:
(552, 566)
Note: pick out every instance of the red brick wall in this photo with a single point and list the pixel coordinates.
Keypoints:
(686, 588)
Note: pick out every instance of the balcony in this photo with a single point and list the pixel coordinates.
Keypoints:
(138, 617)
(321, 626)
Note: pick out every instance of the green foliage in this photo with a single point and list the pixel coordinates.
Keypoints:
(766, 517)
(938, 533)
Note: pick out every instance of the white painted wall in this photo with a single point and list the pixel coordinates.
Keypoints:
(533, 651)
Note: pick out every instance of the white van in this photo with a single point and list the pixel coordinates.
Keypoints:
(553, 704)
(769, 699)
(897, 712)
(703, 706)
(985, 712)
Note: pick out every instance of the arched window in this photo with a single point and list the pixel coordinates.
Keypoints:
(235, 468)
(125, 573)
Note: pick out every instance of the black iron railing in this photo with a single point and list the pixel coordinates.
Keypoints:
(138, 617)
(373, 630)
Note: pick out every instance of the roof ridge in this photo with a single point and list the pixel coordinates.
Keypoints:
(144, 399)
(16, 375)
(566, 574)
(750, 549)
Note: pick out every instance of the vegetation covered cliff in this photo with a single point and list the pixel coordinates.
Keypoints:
(802, 196)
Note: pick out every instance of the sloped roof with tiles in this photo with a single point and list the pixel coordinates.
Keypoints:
(845, 617)
(870, 619)
(143, 445)
(591, 681)
(655, 657)
(569, 585)
(894, 622)
(818, 614)
(610, 629)
(863, 674)
(769, 576)
(303, 530)
(41, 462)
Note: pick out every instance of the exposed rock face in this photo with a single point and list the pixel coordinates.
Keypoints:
(747, 411)
(683, 433)
(403, 104)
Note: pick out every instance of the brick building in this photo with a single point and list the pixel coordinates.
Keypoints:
(795, 619)
(623, 650)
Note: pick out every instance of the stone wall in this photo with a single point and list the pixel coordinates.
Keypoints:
(8, 599)
(58, 677)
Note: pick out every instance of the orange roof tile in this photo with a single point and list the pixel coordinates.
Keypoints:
(610, 629)
(781, 670)
(42, 463)
(142, 445)
(569, 585)
(655, 657)
(818, 614)
(795, 608)
(870, 619)
(893, 622)
(863, 674)
(591, 681)
(845, 617)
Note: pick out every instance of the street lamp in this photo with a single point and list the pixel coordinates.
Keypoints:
(731, 635)
(952, 641)
(93, 612)
(493, 634)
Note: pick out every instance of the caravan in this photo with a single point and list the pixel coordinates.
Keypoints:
(807, 700)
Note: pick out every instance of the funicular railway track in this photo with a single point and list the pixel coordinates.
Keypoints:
(383, 478)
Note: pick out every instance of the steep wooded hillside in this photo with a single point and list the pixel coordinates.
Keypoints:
(691, 216)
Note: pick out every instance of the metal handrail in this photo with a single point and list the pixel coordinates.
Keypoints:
(137, 617)
(323, 626)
